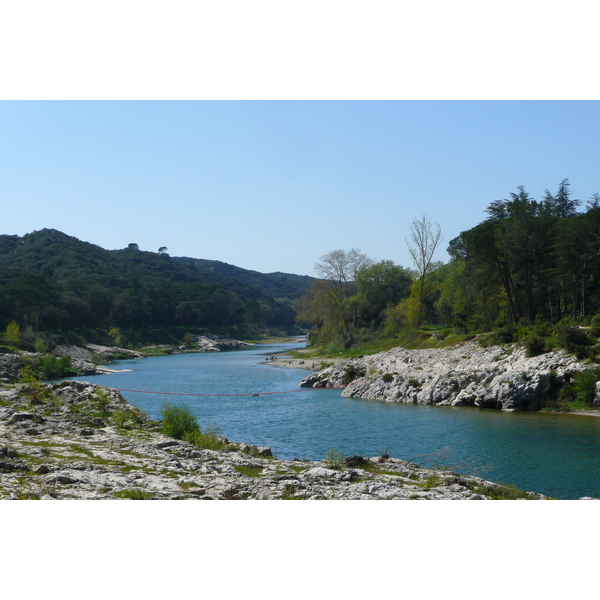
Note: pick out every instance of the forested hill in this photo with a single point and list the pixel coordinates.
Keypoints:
(276, 285)
(50, 281)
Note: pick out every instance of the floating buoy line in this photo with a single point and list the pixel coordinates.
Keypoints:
(253, 394)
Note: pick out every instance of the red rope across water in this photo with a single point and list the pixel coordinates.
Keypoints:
(242, 394)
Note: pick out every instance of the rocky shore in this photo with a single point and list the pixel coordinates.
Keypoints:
(92, 359)
(76, 440)
(500, 377)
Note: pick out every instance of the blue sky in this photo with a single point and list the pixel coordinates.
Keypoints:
(273, 185)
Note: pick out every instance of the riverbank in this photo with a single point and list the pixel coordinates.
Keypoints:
(501, 377)
(92, 359)
(77, 440)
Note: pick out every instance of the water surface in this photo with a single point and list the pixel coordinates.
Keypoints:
(549, 453)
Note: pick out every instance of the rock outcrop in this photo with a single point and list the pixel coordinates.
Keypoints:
(87, 360)
(468, 375)
(76, 440)
(215, 343)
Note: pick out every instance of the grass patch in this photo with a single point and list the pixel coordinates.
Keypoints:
(185, 485)
(498, 491)
(249, 470)
(431, 482)
(289, 493)
(134, 494)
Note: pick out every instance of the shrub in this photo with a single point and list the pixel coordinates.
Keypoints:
(51, 367)
(534, 344)
(356, 461)
(178, 421)
(189, 339)
(208, 440)
(351, 373)
(12, 333)
(388, 377)
(574, 340)
(335, 458)
(40, 346)
(122, 417)
(504, 335)
(102, 397)
(582, 388)
(595, 323)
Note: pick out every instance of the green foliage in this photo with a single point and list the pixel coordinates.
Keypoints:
(123, 417)
(431, 482)
(334, 458)
(178, 421)
(189, 339)
(102, 397)
(249, 470)
(36, 392)
(387, 377)
(595, 326)
(55, 283)
(504, 335)
(52, 367)
(41, 346)
(535, 344)
(12, 334)
(115, 335)
(574, 339)
(581, 390)
(351, 373)
(290, 492)
(209, 440)
(500, 492)
(135, 494)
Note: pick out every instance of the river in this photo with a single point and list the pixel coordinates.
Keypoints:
(554, 454)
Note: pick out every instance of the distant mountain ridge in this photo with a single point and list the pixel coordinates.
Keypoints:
(278, 285)
(50, 280)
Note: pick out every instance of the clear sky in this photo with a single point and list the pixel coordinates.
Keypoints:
(273, 185)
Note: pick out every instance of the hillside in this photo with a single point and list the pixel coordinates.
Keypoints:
(53, 282)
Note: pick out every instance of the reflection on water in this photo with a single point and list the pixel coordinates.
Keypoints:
(548, 453)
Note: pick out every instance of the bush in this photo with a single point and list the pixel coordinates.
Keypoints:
(535, 344)
(335, 458)
(51, 367)
(582, 388)
(178, 421)
(41, 346)
(574, 340)
(595, 323)
(102, 397)
(504, 335)
(209, 440)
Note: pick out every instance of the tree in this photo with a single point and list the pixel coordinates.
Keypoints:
(133, 246)
(379, 286)
(12, 334)
(424, 240)
(338, 271)
(163, 250)
(561, 205)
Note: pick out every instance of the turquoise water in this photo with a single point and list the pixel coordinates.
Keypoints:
(553, 454)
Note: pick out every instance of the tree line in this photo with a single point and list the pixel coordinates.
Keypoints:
(528, 261)
(55, 284)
